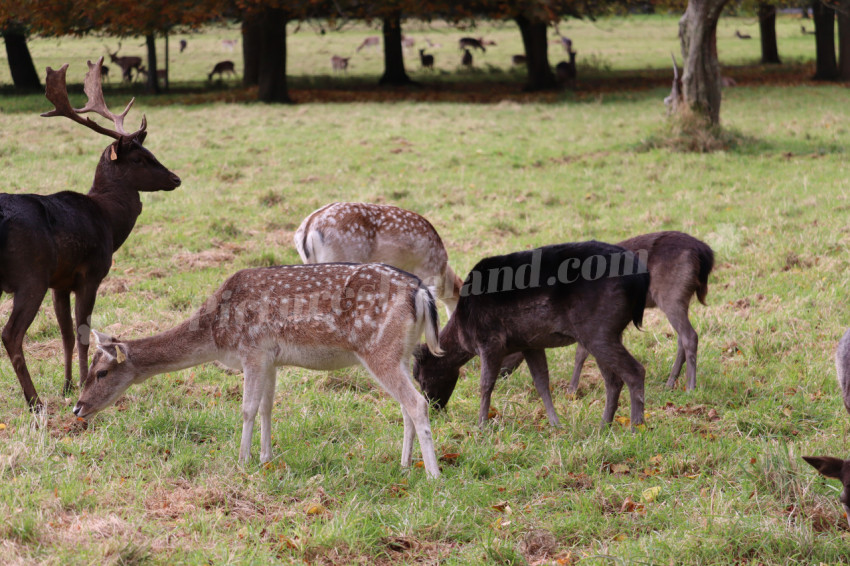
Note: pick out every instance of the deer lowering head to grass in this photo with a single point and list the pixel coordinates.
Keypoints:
(363, 233)
(471, 42)
(65, 241)
(835, 468)
(221, 68)
(549, 297)
(322, 317)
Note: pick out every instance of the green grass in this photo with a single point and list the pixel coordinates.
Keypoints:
(155, 480)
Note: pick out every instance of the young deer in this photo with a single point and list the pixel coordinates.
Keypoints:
(322, 317)
(548, 297)
(65, 241)
(426, 59)
(842, 368)
(466, 60)
(363, 233)
(126, 62)
(221, 68)
(371, 41)
(838, 469)
(339, 63)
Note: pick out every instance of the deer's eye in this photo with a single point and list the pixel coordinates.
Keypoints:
(101, 373)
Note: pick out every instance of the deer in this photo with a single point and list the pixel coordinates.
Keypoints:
(471, 42)
(842, 368)
(466, 60)
(183, 45)
(65, 241)
(229, 44)
(407, 42)
(835, 468)
(565, 71)
(740, 35)
(339, 63)
(426, 59)
(364, 232)
(221, 68)
(806, 32)
(371, 41)
(679, 266)
(321, 317)
(518, 60)
(528, 301)
(126, 62)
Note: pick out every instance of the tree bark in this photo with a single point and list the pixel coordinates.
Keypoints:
(767, 33)
(251, 51)
(701, 75)
(844, 40)
(540, 75)
(394, 73)
(271, 72)
(24, 76)
(826, 66)
(152, 85)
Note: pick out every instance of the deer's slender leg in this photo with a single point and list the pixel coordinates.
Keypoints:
(84, 305)
(256, 367)
(490, 364)
(266, 406)
(24, 308)
(62, 307)
(536, 360)
(581, 357)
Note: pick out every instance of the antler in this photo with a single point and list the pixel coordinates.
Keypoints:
(57, 93)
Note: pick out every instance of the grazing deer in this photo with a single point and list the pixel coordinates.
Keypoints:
(229, 44)
(65, 241)
(471, 42)
(221, 68)
(842, 367)
(339, 63)
(365, 233)
(549, 297)
(466, 60)
(372, 41)
(838, 469)
(426, 59)
(740, 35)
(127, 63)
(321, 317)
(679, 266)
(518, 60)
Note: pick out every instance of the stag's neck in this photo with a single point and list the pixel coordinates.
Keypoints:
(186, 345)
(121, 206)
(452, 343)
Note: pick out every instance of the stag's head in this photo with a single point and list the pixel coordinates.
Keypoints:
(125, 162)
(436, 375)
(110, 374)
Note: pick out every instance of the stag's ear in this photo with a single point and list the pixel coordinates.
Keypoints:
(826, 465)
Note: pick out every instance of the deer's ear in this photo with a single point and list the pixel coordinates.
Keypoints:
(828, 466)
(102, 339)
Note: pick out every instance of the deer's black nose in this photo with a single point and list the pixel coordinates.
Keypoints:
(175, 180)
(77, 409)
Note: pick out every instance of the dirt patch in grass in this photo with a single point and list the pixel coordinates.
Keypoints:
(181, 498)
(193, 261)
(114, 286)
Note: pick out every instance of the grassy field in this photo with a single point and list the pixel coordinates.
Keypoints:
(716, 478)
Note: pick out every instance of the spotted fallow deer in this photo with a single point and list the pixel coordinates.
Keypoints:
(363, 233)
(65, 241)
(322, 317)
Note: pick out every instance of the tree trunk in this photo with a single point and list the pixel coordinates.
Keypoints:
(152, 86)
(540, 76)
(844, 40)
(251, 51)
(167, 64)
(271, 72)
(826, 67)
(767, 33)
(394, 73)
(21, 66)
(701, 75)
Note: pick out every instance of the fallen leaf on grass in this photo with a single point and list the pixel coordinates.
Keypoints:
(650, 494)
(449, 457)
(2, 426)
(620, 469)
(315, 509)
(625, 421)
(630, 506)
(492, 413)
(502, 508)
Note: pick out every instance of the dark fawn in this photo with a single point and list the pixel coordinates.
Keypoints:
(835, 468)
(65, 241)
(529, 301)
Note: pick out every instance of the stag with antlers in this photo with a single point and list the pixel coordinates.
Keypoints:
(65, 241)
(127, 63)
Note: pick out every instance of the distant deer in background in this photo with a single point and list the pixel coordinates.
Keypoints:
(426, 59)
(565, 71)
(372, 41)
(466, 60)
(806, 32)
(183, 45)
(229, 44)
(740, 35)
(126, 62)
(65, 241)
(221, 68)
(408, 42)
(518, 59)
(364, 232)
(339, 63)
(471, 42)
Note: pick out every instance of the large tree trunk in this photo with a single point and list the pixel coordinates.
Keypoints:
(394, 73)
(540, 76)
(701, 75)
(272, 60)
(844, 40)
(21, 66)
(826, 67)
(251, 37)
(152, 86)
(767, 33)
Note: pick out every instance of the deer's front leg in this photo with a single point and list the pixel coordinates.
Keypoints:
(83, 308)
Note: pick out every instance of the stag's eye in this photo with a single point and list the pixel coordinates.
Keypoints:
(101, 373)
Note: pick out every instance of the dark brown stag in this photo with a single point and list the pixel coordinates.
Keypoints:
(127, 63)
(65, 241)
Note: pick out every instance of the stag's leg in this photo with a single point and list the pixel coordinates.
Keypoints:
(258, 369)
(62, 306)
(24, 308)
(84, 305)
(688, 340)
(266, 406)
(581, 357)
(536, 360)
(395, 379)
(677, 364)
(510, 363)
(490, 364)
(619, 366)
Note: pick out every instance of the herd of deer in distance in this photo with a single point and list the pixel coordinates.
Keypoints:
(365, 294)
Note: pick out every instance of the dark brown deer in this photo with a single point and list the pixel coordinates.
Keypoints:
(740, 35)
(426, 59)
(565, 71)
(835, 468)
(65, 241)
(472, 43)
(221, 68)
(126, 62)
(549, 297)
(339, 63)
(466, 60)
(325, 316)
